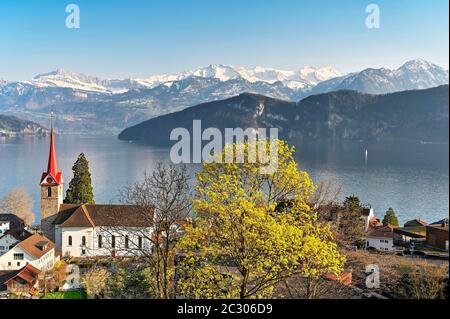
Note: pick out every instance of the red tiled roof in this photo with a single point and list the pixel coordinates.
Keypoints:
(415, 222)
(345, 278)
(32, 245)
(27, 273)
(88, 215)
(382, 232)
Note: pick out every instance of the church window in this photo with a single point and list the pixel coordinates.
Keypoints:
(127, 242)
(113, 241)
(83, 241)
(140, 242)
(70, 241)
(100, 242)
(49, 192)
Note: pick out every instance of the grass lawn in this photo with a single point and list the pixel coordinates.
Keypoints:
(74, 294)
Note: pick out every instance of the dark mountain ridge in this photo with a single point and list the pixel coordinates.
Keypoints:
(418, 115)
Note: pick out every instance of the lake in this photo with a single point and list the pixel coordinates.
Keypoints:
(412, 178)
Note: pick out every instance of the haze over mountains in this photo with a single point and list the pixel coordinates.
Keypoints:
(91, 104)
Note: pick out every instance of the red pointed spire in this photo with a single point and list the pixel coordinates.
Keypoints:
(52, 176)
(51, 168)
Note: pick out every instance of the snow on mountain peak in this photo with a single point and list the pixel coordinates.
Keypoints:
(419, 64)
(416, 71)
(217, 71)
(315, 75)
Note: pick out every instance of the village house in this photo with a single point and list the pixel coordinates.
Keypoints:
(12, 231)
(10, 222)
(36, 250)
(413, 231)
(437, 236)
(415, 223)
(22, 281)
(381, 238)
(10, 238)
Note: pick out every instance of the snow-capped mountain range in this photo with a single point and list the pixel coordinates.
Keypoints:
(305, 77)
(89, 103)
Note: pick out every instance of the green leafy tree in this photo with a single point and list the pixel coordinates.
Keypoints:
(80, 187)
(390, 218)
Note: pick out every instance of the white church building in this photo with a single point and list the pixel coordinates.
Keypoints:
(102, 230)
(89, 230)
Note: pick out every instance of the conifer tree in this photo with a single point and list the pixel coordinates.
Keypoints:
(80, 187)
(390, 218)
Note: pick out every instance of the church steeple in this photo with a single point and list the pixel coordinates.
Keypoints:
(52, 176)
(52, 168)
(51, 189)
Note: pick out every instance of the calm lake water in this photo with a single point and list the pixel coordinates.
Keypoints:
(412, 178)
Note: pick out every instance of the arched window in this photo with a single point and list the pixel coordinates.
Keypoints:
(113, 241)
(69, 239)
(140, 242)
(49, 192)
(83, 241)
(100, 242)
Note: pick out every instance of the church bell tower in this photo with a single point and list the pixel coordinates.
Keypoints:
(51, 190)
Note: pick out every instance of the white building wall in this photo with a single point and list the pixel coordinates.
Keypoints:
(120, 234)
(382, 244)
(8, 262)
(71, 239)
(46, 262)
(367, 219)
(93, 246)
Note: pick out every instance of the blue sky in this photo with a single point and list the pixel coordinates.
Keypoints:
(140, 38)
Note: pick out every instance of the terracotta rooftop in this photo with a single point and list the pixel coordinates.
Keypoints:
(88, 215)
(413, 232)
(382, 232)
(415, 222)
(27, 273)
(36, 245)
